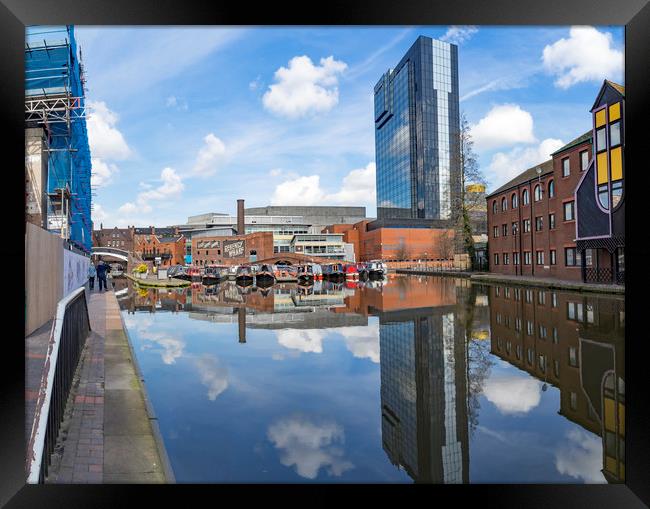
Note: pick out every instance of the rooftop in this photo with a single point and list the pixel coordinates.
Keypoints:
(525, 176)
(580, 139)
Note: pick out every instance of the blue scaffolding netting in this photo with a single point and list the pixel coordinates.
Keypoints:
(55, 101)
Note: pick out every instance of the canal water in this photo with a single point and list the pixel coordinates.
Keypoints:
(405, 379)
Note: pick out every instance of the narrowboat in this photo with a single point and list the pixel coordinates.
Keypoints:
(244, 275)
(362, 269)
(284, 273)
(376, 268)
(310, 272)
(334, 271)
(212, 274)
(194, 274)
(264, 276)
(351, 272)
(232, 272)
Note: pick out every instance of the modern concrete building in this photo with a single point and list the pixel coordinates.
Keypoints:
(417, 134)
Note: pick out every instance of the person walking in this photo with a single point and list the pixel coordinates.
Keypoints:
(101, 275)
(92, 273)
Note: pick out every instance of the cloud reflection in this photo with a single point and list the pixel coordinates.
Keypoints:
(582, 458)
(513, 395)
(214, 375)
(305, 340)
(310, 446)
(363, 341)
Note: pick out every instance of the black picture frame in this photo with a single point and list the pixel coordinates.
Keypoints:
(634, 14)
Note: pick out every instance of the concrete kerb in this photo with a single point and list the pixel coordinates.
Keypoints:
(153, 419)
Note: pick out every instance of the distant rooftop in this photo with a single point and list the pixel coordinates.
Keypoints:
(580, 139)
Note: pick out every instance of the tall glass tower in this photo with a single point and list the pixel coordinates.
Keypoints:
(417, 138)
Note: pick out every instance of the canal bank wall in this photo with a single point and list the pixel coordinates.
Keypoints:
(522, 281)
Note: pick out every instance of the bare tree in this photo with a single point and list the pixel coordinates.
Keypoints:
(402, 251)
(446, 245)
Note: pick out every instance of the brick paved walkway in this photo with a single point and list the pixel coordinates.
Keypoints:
(107, 434)
(35, 350)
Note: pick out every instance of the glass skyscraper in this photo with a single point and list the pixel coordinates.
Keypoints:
(417, 134)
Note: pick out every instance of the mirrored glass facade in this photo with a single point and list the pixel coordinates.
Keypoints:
(417, 133)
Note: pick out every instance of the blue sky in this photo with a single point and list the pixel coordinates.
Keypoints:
(185, 120)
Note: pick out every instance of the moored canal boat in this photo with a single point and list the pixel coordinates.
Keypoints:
(285, 273)
(244, 275)
(213, 274)
(376, 268)
(351, 272)
(264, 276)
(309, 272)
(334, 271)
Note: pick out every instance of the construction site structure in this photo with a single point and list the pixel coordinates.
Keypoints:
(57, 153)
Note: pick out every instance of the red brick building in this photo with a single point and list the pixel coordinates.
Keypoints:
(164, 243)
(531, 219)
(396, 244)
(121, 238)
(231, 250)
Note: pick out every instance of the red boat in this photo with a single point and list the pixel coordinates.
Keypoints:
(351, 272)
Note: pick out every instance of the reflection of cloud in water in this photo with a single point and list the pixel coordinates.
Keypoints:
(214, 375)
(513, 395)
(310, 446)
(172, 347)
(305, 340)
(363, 341)
(582, 458)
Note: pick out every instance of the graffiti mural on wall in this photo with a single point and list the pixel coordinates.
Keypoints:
(75, 271)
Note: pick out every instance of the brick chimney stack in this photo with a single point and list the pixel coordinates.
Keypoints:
(240, 218)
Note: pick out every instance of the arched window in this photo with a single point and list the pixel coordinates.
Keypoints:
(494, 207)
(524, 197)
(504, 204)
(538, 192)
(515, 200)
(551, 189)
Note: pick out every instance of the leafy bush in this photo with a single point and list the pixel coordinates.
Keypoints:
(142, 268)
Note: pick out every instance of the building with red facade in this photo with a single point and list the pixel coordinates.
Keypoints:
(163, 245)
(231, 249)
(531, 219)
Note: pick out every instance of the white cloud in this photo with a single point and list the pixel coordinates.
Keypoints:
(310, 446)
(459, 34)
(363, 342)
(175, 102)
(256, 83)
(513, 395)
(357, 189)
(171, 187)
(298, 191)
(98, 214)
(587, 55)
(504, 125)
(214, 375)
(172, 347)
(305, 340)
(507, 165)
(105, 140)
(209, 156)
(275, 172)
(582, 458)
(102, 173)
(303, 88)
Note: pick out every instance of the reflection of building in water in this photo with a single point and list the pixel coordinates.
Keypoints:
(424, 393)
(575, 343)
(153, 299)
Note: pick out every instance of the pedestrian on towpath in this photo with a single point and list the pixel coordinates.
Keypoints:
(92, 273)
(101, 274)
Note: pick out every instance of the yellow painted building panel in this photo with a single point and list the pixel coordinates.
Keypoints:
(600, 118)
(614, 112)
(621, 419)
(602, 168)
(617, 163)
(611, 464)
(610, 415)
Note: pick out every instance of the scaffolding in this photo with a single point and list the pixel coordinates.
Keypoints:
(55, 102)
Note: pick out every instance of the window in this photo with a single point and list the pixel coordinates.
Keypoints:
(541, 297)
(529, 296)
(518, 352)
(584, 160)
(588, 257)
(531, 356)
(542, 332)
(551, 221)
(539, 223)
(574, 401)
(495, 232)
(551, 189)
(496, 258)
(601, 142)
(537, 193)
(573, 357)
(524, 197)
(566, 168)
(568, 211)
(527, 258)
(514, 228)
(504, 204)
(554, 299)
(540, 257)
(555, 336)
(614, 134)
(571, 257)
(541, 362)
(494, 207)
(515, 258)
(504, 229)
(556, 368)
(603, 196)
(620, 258)
(617, 192)
(553, 257)
(515, 201)
(506, 258)
(518, 324)
(526, 225)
